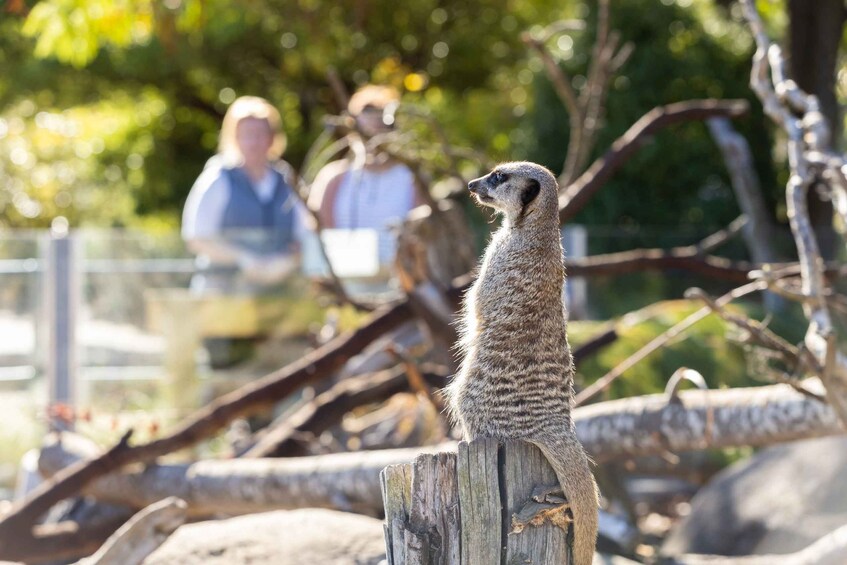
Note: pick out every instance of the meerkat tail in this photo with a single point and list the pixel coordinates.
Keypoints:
(570, 463)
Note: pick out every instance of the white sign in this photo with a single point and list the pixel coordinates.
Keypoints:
(352, 253)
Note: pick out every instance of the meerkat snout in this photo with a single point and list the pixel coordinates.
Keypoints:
(512, 187)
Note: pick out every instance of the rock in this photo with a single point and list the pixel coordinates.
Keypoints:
(778, 501)
(296, 537)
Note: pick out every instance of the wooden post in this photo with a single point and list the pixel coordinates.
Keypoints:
(475, 507)
(61, 300)
(181, 387)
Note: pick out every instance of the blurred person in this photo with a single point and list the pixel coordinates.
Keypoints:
(242, 218)
(374, 192)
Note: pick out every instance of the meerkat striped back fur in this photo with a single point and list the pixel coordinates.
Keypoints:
(516, 377)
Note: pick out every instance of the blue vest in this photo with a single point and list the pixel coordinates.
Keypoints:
(262, 227)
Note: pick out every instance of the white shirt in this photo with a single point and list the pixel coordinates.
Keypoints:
(374, 198)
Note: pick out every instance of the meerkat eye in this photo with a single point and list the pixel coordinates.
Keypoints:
(498, 177)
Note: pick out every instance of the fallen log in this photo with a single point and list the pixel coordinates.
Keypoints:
(619, 429)
(343, 481)
(17, 523)
(707, 419)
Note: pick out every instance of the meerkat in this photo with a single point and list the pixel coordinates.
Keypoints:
(516, 378)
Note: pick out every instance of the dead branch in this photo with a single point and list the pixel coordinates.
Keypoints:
(594, 344)
(661, 340)
(797, 360)
(759, 232)
(16, 525)
(721, 237)
(203, 424)
(327, 410)
(631, 427)
(414, 376)
(576, 195)
(799, 115)
(586, 109)
(141, 535)
(655, 424)
(344, 481)
(342, 97)
(686, 258)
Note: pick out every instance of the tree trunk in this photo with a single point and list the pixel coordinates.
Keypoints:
(814, 37)
(815, 30)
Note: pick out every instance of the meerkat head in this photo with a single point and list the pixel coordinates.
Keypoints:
(521, 191)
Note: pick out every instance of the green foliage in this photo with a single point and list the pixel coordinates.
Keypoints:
(196, 56)
(712, 347)
(84, 163)
(172, 67)
(704, 348)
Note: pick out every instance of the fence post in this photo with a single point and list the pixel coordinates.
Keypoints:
(475, 507)
(61, 302)
(575, 244)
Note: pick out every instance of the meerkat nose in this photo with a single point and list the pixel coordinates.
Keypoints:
(473, 186)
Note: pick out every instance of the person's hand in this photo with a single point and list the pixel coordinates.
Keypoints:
(267, 270)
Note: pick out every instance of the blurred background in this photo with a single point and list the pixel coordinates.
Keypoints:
(109, 110)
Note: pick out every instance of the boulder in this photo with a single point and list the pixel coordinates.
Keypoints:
(778, 501)
(296, 537)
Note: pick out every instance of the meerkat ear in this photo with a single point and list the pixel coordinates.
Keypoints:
(530, 191)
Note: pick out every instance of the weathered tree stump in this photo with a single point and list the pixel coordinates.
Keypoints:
(477, 507)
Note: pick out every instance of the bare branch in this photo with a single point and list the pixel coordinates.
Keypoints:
(759, 232)
(807, 135)
(671, 333)
(630, 427)
(577, 194)
(640, 260)
(282, 438)
(796, 359)
(202, 424)
(721, 237)
(560, 80)
(141, 535)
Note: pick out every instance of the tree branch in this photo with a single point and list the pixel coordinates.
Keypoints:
(328, 408)
(807, 134)
(141, 535)
(661, 340)
(203, 424)
(576, 195)
(631, 427)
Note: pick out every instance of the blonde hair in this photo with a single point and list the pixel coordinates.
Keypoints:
(250, 107)
(372, 95)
